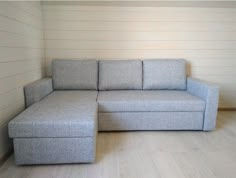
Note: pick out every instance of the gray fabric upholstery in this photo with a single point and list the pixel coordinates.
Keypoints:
(54, 150)
(164, 74)
(62, 127)
(37, 90)
(120, 74)
(60, 114)
(209, 93)
(75, 74)
(150, 121)
(150, 100)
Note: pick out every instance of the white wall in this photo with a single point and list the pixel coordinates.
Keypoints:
(21, 58)
(204, 36)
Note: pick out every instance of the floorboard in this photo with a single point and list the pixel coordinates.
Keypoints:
(152, 154)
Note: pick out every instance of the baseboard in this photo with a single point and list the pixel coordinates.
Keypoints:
(5, 156)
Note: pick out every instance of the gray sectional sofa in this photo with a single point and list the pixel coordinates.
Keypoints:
(65, 112)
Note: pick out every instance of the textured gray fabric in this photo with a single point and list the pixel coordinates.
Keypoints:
(54, 150)
(37, 90)
(60, 114)
(149, 100)
(120, 74)
(150, 121)
(164, 74)
(210, 93)
(75, 74)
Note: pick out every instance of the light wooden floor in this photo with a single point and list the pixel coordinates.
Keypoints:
(150, 155)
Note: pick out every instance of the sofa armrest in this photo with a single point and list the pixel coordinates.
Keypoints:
(37, 90)
(210, 93)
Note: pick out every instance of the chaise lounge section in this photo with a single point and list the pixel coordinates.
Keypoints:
(65, 112)
(62, 126)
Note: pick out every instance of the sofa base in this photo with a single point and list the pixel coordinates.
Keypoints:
(54, 150)
(150, 121)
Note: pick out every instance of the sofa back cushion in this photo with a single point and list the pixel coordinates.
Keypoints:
(75, 74)
(164, 74)
(120, 74)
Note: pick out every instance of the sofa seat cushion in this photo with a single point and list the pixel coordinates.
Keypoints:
(148, 101)
(60, 114)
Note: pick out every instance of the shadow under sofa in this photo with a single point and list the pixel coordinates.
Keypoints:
(65, 112)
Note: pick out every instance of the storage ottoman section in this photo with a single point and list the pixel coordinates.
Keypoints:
(61, 128)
